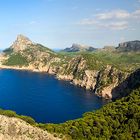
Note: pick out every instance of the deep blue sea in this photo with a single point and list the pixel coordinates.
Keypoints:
(43, 97)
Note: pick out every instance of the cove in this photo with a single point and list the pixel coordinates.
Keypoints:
(45, 98)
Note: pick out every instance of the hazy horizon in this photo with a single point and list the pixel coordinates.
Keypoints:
(57, 24)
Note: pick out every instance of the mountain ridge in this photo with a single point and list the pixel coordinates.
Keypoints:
(129, 46)
(98, 71)
(78, 48)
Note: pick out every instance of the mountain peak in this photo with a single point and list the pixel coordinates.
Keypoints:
(78, 47)
(21, 43)
(22, 37)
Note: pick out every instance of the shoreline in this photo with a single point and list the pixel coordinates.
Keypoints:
(56, 76)
(19, 68)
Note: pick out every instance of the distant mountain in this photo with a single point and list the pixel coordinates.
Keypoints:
(108, 48)
(130, 46)
(78, 48)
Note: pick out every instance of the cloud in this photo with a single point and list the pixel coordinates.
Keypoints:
(114, 20)
(136, 14)
(88, 21)
(116, 14)
(117, 25)
(120, 25)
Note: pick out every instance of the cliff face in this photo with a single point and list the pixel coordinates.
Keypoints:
(85, 70)
(102, 82)
(16, 129)
(129, 46)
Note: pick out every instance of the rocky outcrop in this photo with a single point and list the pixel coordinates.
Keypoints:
(16, 129)
(78, 47)
(129, 46)
(21, 43)
(125, 87)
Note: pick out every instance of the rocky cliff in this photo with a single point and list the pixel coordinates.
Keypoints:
(129, 46)
(21, 43)
(16, 129)
(98, 72)
(101, 81)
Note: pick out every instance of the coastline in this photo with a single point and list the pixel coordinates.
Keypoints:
(20, 68)
(88, 83)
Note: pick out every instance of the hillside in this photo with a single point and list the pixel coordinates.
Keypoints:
(17, 129)
(99, 71)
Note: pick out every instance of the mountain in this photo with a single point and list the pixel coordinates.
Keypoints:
(99, 71)
(79, 48)
(130, 46)
(108, 48)
(23, 52)
(21, 43)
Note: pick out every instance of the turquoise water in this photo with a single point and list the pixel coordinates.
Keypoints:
(43, 97)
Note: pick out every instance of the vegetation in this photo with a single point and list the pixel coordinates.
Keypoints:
(8, 51)
(118, 120)
(16, 59)
(96, 60)
(10, 113)
(123, 61)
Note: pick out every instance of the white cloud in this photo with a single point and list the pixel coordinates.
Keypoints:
(117, 25)
(88, 22)
(136, 14)
(114, 20)
(116, 14)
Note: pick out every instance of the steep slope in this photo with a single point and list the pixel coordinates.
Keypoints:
(16, 129)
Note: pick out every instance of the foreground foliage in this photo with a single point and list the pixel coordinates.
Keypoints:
(119, 120)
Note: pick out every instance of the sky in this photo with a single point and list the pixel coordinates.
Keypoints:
(58, 24)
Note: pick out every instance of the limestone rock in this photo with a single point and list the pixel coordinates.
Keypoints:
(21, 43)
(16, 129)
(129, 46)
